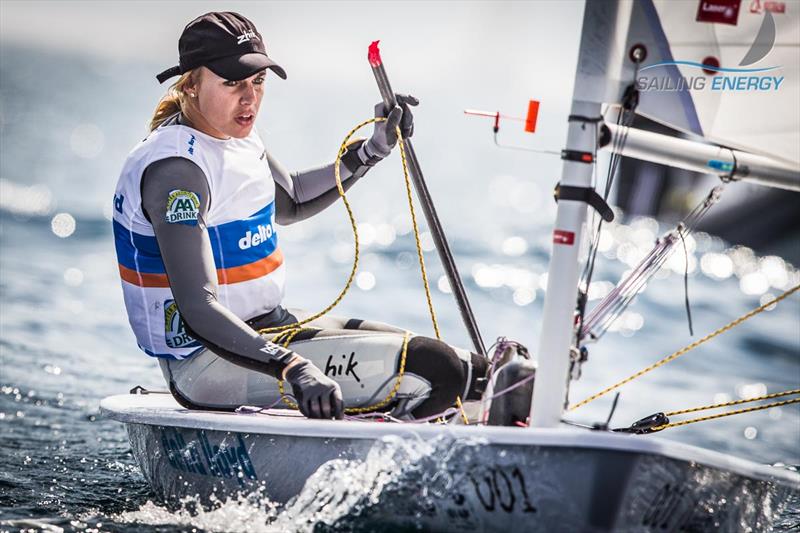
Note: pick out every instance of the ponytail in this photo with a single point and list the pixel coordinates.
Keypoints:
(172, 102)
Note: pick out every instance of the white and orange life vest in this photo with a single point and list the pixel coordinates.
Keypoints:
(240, 223)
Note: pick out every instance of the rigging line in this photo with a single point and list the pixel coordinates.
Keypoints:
(699, 212)
(583, 299)
(614, 155)
(688, 348)
(523, 148)
(630, 102)
(602, 316)
(686, 280)
(625, 117)
(586, 277)
(734, 402)
(619, 141)
(627, 289)
(729, 413)
(659, 421)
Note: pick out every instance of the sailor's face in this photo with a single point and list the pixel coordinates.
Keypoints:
(229, 108)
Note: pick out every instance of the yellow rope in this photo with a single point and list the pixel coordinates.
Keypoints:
(735, 402)
(354, 226)
(417, 241)
(398, 381)
(287, 332)
(729, 413)
(364, 409)
(461, 408)
(688, 348)
(342, 150)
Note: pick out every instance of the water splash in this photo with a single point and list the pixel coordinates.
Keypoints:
(398, 477)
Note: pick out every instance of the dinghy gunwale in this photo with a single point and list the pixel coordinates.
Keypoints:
(162, 410)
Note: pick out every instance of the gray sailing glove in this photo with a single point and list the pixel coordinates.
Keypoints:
(384, 136)
(407, 122)
(317, 395)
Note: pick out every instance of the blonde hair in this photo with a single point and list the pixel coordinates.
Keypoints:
(175, 100)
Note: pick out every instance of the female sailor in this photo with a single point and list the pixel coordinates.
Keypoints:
(195, 214)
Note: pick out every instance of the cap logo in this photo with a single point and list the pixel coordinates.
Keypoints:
(246, 36)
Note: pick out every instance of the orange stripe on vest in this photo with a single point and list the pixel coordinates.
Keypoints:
(262, 267)
(225, 276)
(143, 280)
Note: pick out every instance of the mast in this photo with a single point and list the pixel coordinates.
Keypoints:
(597, 79)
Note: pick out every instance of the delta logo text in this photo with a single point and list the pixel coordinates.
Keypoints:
(183, 207)
(713, 76)
(262, 234)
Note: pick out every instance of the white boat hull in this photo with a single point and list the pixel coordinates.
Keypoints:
(452, 477)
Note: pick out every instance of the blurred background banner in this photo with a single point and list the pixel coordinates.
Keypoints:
(78, 88)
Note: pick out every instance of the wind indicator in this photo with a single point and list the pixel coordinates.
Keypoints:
(530, 121)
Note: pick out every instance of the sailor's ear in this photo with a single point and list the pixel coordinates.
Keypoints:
(190, 86)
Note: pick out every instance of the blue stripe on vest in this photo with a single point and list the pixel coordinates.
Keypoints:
(148, 260)
(234, 244)
(246, 241)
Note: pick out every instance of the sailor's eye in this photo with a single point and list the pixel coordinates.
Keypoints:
(230, 83)
(258, 81)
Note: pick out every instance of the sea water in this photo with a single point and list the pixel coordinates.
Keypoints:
(65, 342)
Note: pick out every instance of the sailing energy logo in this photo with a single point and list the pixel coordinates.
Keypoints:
(723, 79)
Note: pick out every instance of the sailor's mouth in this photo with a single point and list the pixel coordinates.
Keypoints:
(245, 120)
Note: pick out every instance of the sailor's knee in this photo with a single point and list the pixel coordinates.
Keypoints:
(438, 364)
(433, 358)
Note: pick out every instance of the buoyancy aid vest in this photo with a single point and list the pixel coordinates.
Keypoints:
(240, 224)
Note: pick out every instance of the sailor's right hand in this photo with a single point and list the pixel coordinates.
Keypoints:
(384, 136)
(317, 395)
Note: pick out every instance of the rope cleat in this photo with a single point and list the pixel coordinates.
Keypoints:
(648, 424)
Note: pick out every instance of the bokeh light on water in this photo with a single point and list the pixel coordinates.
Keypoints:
(63, 225)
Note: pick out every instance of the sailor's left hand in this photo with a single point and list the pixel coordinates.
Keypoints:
(384, 136)
(317, 395)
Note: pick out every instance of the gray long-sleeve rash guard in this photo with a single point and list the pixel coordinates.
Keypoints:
(189, 261)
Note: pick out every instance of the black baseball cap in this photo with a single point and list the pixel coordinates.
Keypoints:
(226, 43)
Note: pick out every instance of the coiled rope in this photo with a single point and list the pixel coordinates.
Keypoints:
(354, 227)
(286, 333)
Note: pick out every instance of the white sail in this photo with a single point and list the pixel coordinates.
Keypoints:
(752, 102)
